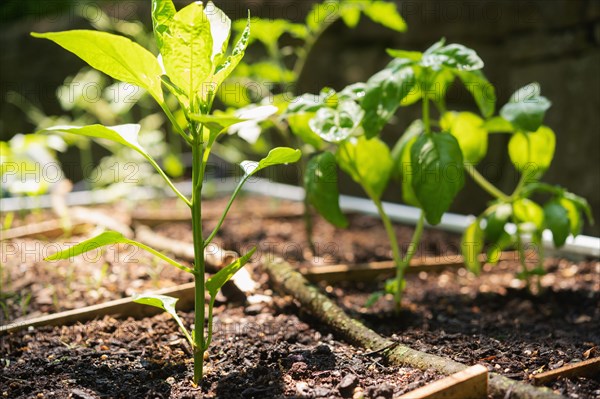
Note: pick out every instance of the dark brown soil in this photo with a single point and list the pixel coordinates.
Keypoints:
(252, 356)
(490, 319)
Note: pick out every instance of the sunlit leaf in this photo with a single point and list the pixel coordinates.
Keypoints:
(299, 126)
(469, 132)
(532, 153)
(556, 218)
(321, 184)
(526, 108)
(277, 156)
(106, 238)
(162, 12)
(527, 211)
(218, 280)
(481, 89)
(335, 125)
(471, 245)
(454, 56)
(385, 13)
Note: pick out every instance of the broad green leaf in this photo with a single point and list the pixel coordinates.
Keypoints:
(469, 132)
(438, 173)
(384, 93)
(226, 68)
(106, 238)
(495, 250)
(556, 218)
(407, 174)
(415, 129)
(368, 162)
(321, 184)
(166, 303)
(527, 211)
(406, 55)
(526, 108)
(472, 245)
(313, 102)
(220, 29)
(173, 165)
(218, 280)
(350, 15)
(386, 14)
(454, 56)
(498, 124)
(126, 135)
(109, 238)
(335, 125)
(582, 204)
(162, 12)
(114, 55)
(532, 153)
(495, 222)
(299, 126)
(187, 49)
(277, 156)
(322, 13)
(575, 222)
(481, 89)
(217, 122)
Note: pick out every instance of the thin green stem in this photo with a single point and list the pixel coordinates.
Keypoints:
(163, 257)
(169, 182)
(173, 121)
(310, 43)
(209, 334)
(519, 187)
(426, 118)
(410, 253)
(485, 184)
(199, 267)
(389, 229)
(224, 214)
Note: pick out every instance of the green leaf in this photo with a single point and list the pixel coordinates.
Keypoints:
(321, 184)
(575, 222)
(188, 48)
(106, 238)
(527, 211)
(162, 12)
(220, 30)
(406, 55)
(556, 218)
(217, 122)
(454, 56)
(386, 14)
(415, 129)
(368, 162)
(335, 125)
(299, 126)
(114, 55)
(532, 153)
(373, 298)
(226, 68)
(438, 173)
(582, 204)
(277, 156)
(166, 303)
(469, 132)
(498, 124)
(526, 108)
(495, 222)
(481, 89)
(218, 280)
(384, 93)
(350, 15)
(472, 245)
(407, 172)
(495, 250)
(126, 135)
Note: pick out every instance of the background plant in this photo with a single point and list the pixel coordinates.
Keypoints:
(192, 63)
(432, 157)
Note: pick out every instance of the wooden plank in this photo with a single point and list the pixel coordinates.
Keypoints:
(46, 229)
(369, 271)
(471, 383)
(125, 307)
(587, 368)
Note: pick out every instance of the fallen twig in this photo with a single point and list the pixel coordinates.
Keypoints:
(285, 279)
(586, 368)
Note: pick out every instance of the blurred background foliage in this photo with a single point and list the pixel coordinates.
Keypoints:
(556, 43)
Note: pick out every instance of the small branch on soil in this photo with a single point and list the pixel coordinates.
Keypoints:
(288, 281)
(47, 229)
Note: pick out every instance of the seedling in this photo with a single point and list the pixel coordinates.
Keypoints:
(192, 64)
(431, 158)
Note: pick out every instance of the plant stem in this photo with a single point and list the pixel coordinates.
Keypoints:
(410, 252)
(197, 180)
(485, 184)
(310, 43)
(426, 119)
(389, 229)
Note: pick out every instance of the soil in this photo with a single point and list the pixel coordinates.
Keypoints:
(492, 319)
